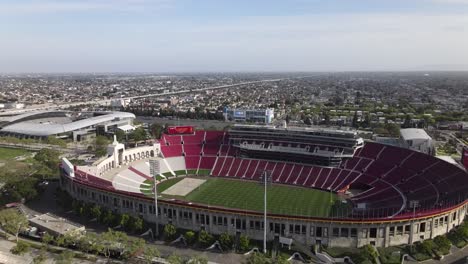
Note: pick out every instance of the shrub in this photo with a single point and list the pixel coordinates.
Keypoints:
(226, 241)
(426, 247)
(20, 248)
(189, 237)
(175, 259)
(244, 243)
(204, 238)
(443, 243)
(169, 231)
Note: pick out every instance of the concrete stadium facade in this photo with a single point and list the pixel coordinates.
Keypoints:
(309, 231)
(94, 185)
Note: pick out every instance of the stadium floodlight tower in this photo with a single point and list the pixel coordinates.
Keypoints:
(154, 171)
(413, 204)
(265, 179)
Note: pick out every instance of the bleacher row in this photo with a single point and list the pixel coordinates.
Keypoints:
(393, 176)
(200, 149)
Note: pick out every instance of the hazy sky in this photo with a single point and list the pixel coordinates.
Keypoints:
(235, 35)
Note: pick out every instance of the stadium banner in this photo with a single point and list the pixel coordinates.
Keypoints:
(178, 130)
(465, 157)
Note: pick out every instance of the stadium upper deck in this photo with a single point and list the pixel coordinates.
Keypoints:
(299, 144)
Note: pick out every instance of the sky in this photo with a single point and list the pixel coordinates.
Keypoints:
(232, 35)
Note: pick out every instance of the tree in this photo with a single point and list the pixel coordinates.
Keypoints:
(47, 239)
(20, 188)
(120, 135)
(407, 122)
(156, 130)
(169, 231)
(13, 221)
(367, 121)
(355, 123)
(46, 161)
(139, 134)
(100, 146)
(393, 129)
(226, 241)
(20, 248)
(52, 140)
(244, 243)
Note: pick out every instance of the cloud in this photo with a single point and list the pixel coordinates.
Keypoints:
(45, 7)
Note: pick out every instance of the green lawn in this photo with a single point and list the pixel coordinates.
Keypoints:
(162, 186)
(249, 195)
(282, 199)
(204, 172)
(192, 172)
(11, 153)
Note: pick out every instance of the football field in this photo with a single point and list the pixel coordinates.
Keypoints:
(247, 195)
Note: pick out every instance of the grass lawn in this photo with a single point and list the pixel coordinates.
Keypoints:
(192, 172)
(180, 172)
(162, 186)
(204, 172)
(249, 195)
(11, 153)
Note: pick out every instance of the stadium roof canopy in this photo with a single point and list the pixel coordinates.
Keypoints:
(27, 127)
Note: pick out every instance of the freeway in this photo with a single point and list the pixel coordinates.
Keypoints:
(107, 101)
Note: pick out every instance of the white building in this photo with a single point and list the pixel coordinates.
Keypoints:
(417, 139)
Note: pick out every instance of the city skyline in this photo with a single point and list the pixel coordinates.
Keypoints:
(207, 36)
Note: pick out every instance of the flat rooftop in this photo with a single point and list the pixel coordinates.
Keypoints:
(55, 224)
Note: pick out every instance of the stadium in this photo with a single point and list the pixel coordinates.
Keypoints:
(325, 186)
(63, 124)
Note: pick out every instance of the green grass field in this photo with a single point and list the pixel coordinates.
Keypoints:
(11, 153)
(282, 199)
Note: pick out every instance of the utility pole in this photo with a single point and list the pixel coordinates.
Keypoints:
(265, 179)
(154, 171)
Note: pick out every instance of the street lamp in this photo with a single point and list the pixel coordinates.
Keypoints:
(154, 171)
(265, 178)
